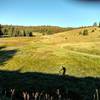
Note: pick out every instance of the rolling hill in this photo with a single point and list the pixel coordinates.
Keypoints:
(79, 54)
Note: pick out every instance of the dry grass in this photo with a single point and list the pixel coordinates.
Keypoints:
(80, 54)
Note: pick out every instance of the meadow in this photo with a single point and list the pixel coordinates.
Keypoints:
(46, 54)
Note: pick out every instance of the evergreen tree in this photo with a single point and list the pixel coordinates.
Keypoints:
(16, 33)
(99, 24)
(95, 24)
(21, 33)
(24, 33)
(1, 33)
(85, 32)
(5, 31)
(30, 34)
(12, 31)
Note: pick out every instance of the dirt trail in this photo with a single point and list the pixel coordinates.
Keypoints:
(77, 52)
(85, 54)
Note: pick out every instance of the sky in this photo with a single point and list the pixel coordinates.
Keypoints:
(64, 13)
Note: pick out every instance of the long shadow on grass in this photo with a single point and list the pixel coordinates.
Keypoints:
(6, 54)
(34, 81)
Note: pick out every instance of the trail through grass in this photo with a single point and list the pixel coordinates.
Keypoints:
(80, 55)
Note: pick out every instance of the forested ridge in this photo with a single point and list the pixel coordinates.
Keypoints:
(14, 31)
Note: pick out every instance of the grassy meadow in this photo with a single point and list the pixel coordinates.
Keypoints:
(79, 54)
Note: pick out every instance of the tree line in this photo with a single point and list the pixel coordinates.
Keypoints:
(15, 31)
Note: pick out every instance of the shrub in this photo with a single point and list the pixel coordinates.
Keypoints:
(93, 31)
(80, 33)
(85, 32)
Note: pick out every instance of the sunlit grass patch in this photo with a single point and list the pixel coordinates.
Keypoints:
(80, 55)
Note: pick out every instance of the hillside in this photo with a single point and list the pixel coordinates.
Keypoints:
(79, 54)
(29, 31)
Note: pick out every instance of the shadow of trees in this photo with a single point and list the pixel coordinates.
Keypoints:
(50, 84)
(6, 54)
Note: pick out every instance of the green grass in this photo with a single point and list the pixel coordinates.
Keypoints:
(47, 53)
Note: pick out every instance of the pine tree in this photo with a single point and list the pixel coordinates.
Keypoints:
(30, 34)
(95, 24)
(99, 24)
(85, 32)
(24, 34)
(1, 33)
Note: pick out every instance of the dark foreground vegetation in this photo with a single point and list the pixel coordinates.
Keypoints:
(39, 86)
(14, 31)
